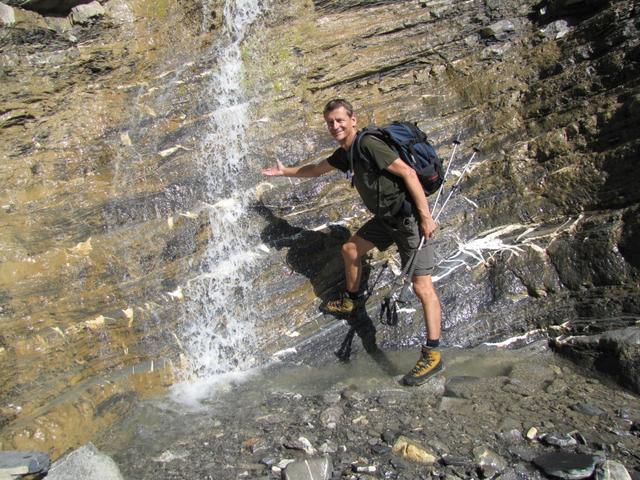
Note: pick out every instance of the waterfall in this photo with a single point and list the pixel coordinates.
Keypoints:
(218, 328)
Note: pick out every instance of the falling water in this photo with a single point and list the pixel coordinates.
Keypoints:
(218, 327)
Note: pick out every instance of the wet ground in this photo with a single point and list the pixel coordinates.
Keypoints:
(488, 415)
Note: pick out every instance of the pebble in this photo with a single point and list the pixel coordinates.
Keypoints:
(413, 451)
(454, 460)
(559, 440)
(331, 398)
(488, 460)
(331, 416)
(587, 409)
(301, 443)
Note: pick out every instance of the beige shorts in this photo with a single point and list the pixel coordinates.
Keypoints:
(405, 233)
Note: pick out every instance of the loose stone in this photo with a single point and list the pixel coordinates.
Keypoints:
(23, 463)
(569, 466)
(412, 451)
(83, 14)
(532, 433)
(454, 460)
(310, 469)
(7, 15)
(301, 443)
(559, 440)
(331, 416)
(612, 470)
(587, 409)
(488, 460)
(331, 398)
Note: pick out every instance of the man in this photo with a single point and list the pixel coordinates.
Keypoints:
(392, 191)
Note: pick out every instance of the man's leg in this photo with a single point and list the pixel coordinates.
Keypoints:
(425, 291)
(429, 362)
(352, 252)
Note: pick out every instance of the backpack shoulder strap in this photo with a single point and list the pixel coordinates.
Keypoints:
(374, 131)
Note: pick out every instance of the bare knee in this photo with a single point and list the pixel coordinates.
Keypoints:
(424, 289)
(350, 251)
(356, 248)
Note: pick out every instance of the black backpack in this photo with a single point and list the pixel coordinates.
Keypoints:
(413, 148)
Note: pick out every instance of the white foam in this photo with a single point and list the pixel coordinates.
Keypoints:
(193, 392)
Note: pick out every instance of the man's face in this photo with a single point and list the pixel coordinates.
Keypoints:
(341, 125)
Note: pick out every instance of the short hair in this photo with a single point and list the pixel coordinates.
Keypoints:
(337, 103)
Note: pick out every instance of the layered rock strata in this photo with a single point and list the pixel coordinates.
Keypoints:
(103, 222)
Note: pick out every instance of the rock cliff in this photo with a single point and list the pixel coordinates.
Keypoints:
(103, 223)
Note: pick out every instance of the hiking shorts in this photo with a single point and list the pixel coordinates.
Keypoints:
(405, 233)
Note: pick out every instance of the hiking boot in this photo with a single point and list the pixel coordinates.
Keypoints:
(428, 365)
(343, 306)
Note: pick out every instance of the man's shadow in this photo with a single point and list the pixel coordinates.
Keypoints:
(314, 254)
(317, 256)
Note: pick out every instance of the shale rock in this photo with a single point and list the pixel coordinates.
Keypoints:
(615, 352)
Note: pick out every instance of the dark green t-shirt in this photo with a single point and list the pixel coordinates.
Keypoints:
(382, 192)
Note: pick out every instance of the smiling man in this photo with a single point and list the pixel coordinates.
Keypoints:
(390, 189)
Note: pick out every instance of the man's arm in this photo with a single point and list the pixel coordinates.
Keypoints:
(314, 170)
(410, 178)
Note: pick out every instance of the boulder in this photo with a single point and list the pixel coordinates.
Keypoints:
(616, 353)
(7, 15)
(569, 466)
(88, 463)
(84, 14)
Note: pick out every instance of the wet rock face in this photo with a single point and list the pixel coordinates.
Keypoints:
(102, 216)
(94, 243)
(541, 231)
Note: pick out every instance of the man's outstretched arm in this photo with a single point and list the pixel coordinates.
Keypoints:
(314, 170)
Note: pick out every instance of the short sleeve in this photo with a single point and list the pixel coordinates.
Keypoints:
(338, 159)
(378, 151)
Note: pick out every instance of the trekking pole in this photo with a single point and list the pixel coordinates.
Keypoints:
(476, 150)
(407, 281)
(389, 306)
(370, 290)
(456, 142)
(344, 352)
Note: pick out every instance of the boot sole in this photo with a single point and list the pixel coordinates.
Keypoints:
(439, 369)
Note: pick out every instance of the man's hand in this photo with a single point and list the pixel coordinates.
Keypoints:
(428, 227)
(277, 171)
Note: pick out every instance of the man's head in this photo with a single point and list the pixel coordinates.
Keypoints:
(341, 121)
